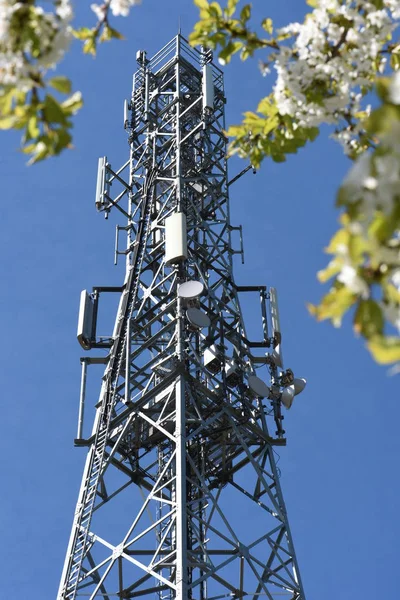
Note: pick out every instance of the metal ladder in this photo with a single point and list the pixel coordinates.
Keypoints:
(138, 98)
(85, 507)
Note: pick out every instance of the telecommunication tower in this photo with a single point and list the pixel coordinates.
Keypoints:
(180, 496)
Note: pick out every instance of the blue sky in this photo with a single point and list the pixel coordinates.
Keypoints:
(340, 468)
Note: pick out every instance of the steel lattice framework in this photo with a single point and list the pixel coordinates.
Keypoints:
(180, 495)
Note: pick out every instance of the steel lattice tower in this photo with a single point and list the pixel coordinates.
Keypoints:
(180, 495)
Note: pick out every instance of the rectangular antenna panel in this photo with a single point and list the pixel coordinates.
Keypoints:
(101, 183)
(175, 238)
(85, 321)
(208, 87)
(276, 326)
(212, 359)
(126, 114)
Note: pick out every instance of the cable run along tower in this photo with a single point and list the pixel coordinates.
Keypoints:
(180, 495)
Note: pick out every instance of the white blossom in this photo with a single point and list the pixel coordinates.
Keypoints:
(7, 7)
(337, 62)
(349, 277)
(122, 7)
(395, 278)
(371, 183)
(99, 10)
(64, 10)
(392, 314)
(52, 29)
(394, 7)
(394, 88)
(358, 174)
(374, 180)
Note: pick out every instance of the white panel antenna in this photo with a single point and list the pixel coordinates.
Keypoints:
(85, 320)
(126, 114)
(208, 87)
(175, 238)
(103, 186)
(276, 326)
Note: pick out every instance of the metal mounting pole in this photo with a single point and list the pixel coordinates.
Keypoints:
(82, 399)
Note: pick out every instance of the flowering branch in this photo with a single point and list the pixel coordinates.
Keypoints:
(326, 68)
(33, 41)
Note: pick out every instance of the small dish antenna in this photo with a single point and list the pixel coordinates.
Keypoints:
(299, 385)
(190, 290)
(197, 318)
(287, 396)
(258, 387)
(276, 356)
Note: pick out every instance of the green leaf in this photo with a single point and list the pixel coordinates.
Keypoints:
(379, 4)
(7, 122)
(385, 350)
(32, 127)
(266, 24)
(63, 141)
(277, 155)
(6, 101)
(381, 228)
(236, 131)
(28, 149)
(72, 104)
(334, 304)
(226, 54)
(343, 196)
(313, 3)
(109, 33)
(381, 120)
(84, 33)
(231, 7)
(116, 34)
(267, 107)
(332, 269)
(395, 61)
(382, 87)
(20, 96)
(245, 13)
(269, 125)
(53, 111)
(61, 84)
(40, 151)
(196, 38)
(312, 133)
(204, 8)
(341, 238)
(391, 293)
(368, 319)
(215, 9)
(89, 47)
(357, 247)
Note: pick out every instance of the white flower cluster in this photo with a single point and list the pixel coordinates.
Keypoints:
(392, 311)
(47, 36)
(374, 181)
(118, 7)
(335, 52)
(356, 284)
